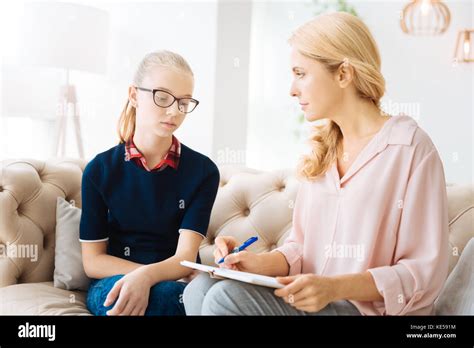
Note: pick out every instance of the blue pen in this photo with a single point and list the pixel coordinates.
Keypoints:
(242, 247)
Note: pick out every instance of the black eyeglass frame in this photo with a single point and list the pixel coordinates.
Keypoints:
(153, 91)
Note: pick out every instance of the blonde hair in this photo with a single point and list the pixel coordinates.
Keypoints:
(333, 39)
(126, 124)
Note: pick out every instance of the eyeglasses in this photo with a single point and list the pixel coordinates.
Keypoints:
(165, 99)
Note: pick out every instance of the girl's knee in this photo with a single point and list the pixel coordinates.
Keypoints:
(172, 290)
(166, 299)
(98, 292)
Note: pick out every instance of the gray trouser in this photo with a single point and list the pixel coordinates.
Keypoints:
(208, 296)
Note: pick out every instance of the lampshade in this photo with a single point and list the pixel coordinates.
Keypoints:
(464, 52)
(425, 17)
(64, 35)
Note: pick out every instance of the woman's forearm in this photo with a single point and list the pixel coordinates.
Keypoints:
(357, 287)
(273, 264)
(104, 265)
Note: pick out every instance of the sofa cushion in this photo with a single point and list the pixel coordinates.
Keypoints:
(69, 272)
(461, 220)
(41, 299)
(457, 296)
(251, 202)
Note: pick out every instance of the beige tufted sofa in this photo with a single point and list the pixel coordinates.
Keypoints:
(247, 201)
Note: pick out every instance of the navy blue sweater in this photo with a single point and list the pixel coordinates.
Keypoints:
(141, 213)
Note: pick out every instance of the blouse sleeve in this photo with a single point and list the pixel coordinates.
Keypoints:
(292, 248)
(421, 255)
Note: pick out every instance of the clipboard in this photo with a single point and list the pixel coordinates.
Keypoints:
(221, 273)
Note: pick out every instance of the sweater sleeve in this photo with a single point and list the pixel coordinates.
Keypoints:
(93, 225)
(198, 212)
(421, 255)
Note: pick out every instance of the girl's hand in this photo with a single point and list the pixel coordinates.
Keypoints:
(307, 292)
(132, 291)
(242, 261)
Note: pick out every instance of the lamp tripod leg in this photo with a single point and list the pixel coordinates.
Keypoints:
(77, 129)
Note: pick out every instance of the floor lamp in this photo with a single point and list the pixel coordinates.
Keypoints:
(64, 112)
(70, 37)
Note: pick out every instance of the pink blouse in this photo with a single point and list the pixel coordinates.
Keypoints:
(387, 215)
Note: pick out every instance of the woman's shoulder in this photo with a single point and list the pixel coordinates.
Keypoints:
(419, 148)
(406, 131)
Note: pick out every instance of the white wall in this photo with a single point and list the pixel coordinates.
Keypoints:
(271, 142)
(232, 82)
(418, 70)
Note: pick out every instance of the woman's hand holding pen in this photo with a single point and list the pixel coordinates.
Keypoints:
(244, 261)
(306, 292)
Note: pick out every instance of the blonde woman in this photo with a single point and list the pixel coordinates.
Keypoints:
(370, 228)
(147, 201)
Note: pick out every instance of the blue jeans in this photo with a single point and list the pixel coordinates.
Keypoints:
(165, 297)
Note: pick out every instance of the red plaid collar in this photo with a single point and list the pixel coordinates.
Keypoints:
(171, 159)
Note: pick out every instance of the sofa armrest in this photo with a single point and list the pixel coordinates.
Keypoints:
(28, 192)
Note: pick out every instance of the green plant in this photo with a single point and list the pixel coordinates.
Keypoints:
(322, 6)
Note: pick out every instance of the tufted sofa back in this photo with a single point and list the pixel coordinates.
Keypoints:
(28, 193)
(248, 202)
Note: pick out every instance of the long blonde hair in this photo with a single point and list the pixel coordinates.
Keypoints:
(126, 124)
(331, 39)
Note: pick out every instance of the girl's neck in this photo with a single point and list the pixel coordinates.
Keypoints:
(152, 147)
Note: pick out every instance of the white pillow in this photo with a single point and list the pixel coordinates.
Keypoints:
(69, 272)
(457, 296)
